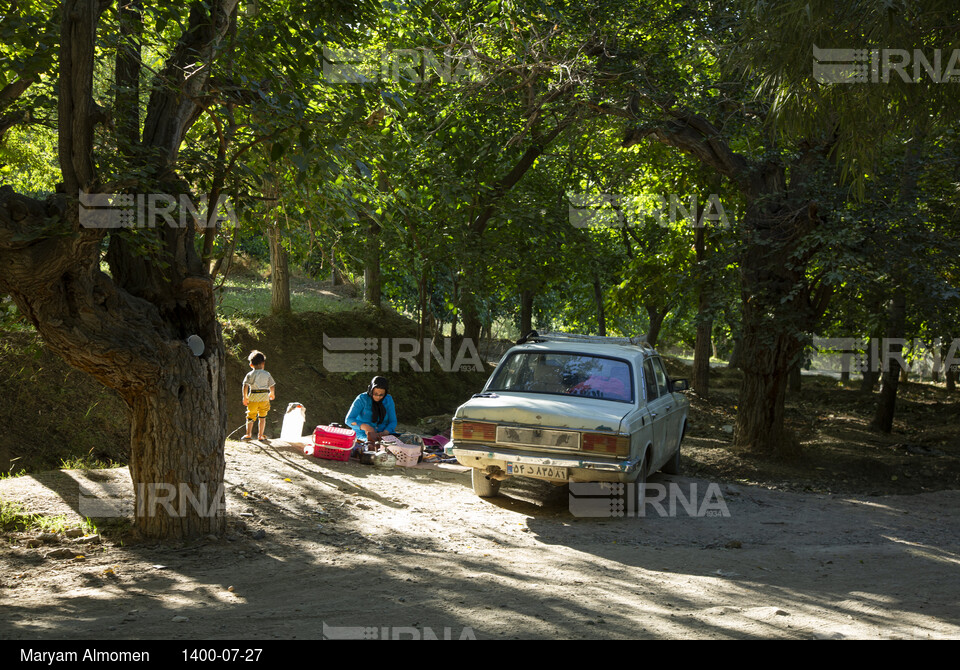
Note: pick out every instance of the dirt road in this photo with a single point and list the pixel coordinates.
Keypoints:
(318, 549)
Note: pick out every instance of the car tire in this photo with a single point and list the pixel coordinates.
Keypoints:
(672, 467)
(640, 484)
(484, 486)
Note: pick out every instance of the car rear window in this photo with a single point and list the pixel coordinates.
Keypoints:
(565, 374)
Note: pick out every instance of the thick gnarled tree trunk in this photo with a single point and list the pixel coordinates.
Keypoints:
(775, 317)
(177, 457)
(760, 407)
(136, 329)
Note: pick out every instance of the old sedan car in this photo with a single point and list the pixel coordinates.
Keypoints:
(572, 408)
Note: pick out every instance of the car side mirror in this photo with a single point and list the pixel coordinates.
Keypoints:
(679, 385)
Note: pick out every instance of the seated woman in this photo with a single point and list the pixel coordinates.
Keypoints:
(373, 414)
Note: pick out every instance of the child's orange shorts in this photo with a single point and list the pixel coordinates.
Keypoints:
(257, 409)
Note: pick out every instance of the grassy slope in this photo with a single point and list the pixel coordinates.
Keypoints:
(54, 412)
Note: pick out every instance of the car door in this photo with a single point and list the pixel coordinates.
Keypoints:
(657, 405)
(671, 407)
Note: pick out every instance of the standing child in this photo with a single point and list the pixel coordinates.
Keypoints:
(258, 390)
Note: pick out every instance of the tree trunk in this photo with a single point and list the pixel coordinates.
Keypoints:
(871, 374)
(279, 272)
(760, 408)
(176, 456)
(225, 262)
(796, 378)
(601, 317)
(371, 266)
(734, 362)
(701, 359)
(526, 311)
(453, 326)
(423, 312)
(336, 277)
(656, 315)
(886, 405)
(937, 351)
(779, 302)
(702, 347)
(472, 323)
(140, 348)
(137, 329)
(772, 325)
(5, 458)
(126, 105)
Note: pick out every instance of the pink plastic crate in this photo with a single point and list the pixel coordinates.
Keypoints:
(333, 443)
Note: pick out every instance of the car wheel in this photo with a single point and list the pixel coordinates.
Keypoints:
(484, 486)
(672, 467)
(640, 484)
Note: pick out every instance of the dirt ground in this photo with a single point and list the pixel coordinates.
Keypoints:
(325, 549)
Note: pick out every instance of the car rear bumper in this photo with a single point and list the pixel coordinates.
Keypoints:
(579, 469)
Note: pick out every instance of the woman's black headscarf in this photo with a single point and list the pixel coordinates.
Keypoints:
(379, 412)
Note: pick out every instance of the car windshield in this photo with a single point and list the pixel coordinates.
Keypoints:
(565, 374)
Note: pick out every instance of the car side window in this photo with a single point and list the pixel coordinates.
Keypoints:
(649, 381)
(662, 383)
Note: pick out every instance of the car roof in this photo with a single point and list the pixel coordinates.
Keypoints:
(592, 348)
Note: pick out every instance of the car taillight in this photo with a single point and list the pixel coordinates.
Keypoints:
(604, 443)
(474, 431)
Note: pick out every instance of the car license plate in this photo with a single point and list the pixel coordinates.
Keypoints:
(560, 439)
(542, 471)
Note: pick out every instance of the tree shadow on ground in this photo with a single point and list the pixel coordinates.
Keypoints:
(520, 566)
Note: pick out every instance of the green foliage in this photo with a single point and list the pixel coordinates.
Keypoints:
(780, 49)
(14, 517)
(427, 155)
(88, 462)
(11, 319)
(28, 160)
(13, 472)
